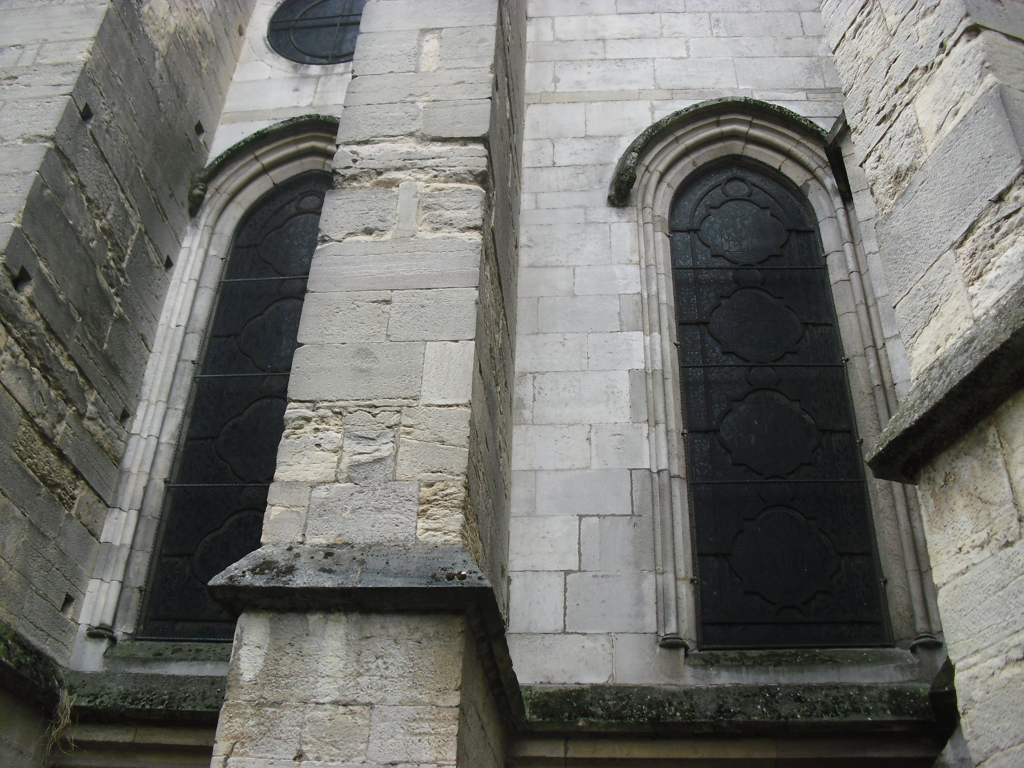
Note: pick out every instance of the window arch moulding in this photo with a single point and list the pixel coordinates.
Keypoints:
(648, 175)
(220, 196)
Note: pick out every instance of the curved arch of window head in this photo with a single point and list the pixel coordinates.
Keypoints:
(659, 162)
(244, 175)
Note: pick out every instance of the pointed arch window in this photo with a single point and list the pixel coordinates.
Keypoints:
(782, 533)
(217, 491)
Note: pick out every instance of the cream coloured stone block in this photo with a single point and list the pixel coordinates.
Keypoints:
(559, 446)
(561, 659)
(616, 118)
(585, 397)
(620, 445)
(545, 281)
(348, 212)
(578, 314)
(447, 372)
(604, 27)
(613, 74)
(417, 735)
(544, 544)
(970, 512)
(421, 460)
(583, 492)
(565, 245)
(615, 351)
(555, 120)
(536, 601)
(695, 73)
(609, 602)
(551, 352)
(616, 544)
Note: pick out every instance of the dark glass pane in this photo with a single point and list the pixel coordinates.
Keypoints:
(316, 31)
(782, 531)
(213, 511)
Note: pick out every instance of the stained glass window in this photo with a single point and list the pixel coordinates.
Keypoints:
(215, 500)
(781, 526)
(316, 31)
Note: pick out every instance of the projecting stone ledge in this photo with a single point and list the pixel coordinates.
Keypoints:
(971, 379)
(746, 709)
(371, 578)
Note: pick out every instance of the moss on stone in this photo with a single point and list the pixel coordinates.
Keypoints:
(729, 708)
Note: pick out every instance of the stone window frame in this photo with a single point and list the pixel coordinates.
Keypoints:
(231, 184)
(651, 171)
(265, 53)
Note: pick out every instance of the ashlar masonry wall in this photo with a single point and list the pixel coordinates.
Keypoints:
(399, 409)
(101, 129)
(935, 107)
(581, 547)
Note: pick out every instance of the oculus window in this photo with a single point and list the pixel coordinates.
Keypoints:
(316, 31)
(217, 492)
(782, 533)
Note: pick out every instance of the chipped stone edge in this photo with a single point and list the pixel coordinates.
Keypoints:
(969, 381)
(625, 170)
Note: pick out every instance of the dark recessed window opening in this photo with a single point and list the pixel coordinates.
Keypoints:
(316, 31)
(217, 491)
(781, 527)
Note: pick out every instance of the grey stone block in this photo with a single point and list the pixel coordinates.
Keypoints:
(437, 262)
(441, 314)
(338, 317)
(584, 492)
(609, 602)
(385, 371)
(443, 85)
(385, 52)
(457, 119)
(89, 459)
(427, 14)
(363, 123)
(349, 212)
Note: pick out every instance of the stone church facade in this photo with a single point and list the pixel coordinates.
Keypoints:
(511, 382)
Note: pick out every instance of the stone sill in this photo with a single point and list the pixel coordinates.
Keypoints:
(169, 651)
(801, 658)
(746, 709)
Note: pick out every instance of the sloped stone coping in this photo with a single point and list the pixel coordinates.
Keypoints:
(970, 380)
(378, 578)
(625, 170)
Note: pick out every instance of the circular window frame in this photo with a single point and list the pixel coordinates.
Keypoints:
(293, 52)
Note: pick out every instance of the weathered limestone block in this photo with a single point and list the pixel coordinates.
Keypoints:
(346, 687)
(363, 514)
(310, 447)
(388, 371)
(350, 212)
(342, 316)
(370, 446)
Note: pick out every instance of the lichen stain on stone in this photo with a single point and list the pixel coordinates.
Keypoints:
(272, 568)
